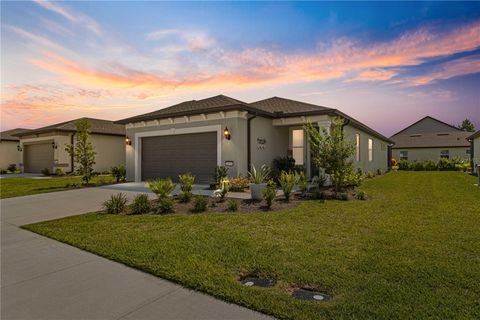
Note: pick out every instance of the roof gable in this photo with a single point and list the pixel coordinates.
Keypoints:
(9, 135)
(427, 125)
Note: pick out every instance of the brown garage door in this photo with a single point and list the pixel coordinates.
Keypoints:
(169, 156)
(37, 157)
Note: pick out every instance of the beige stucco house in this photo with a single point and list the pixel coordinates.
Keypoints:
(45, 147)
(9, 143)
(474, 140)
(196, 136)
(430, 139)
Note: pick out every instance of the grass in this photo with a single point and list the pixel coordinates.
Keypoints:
(16, 187)
(412, 251)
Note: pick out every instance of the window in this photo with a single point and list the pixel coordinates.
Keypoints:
(298, 147)
(468, 151)
(370, 150)
(444, 154)
(357, 137)
(403, 155)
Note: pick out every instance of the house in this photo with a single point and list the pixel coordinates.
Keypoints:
(9, 148)
(430, 139)
(474, 140)
(45, 147)
(196, 136)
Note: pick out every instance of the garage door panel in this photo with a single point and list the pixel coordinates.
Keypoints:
(169, 156)
(36, 157)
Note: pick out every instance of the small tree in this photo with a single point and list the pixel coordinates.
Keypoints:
(331, 151)
(467, 125)
(82, 151)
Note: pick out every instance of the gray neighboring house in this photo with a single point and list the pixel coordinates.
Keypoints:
(45, 147)
(9, 143)
(430, 139)
(475, 150)
(196, 136)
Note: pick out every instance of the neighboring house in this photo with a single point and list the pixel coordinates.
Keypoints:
(430, 139)
(196, 136)
(475, 150)
(9, 153)
(45, 147)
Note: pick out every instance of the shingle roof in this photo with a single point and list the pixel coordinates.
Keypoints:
(432, 140)
(8, 135)
(281, 105)
(98, 126)
(216, 103)
(274, 107)
(473, 136)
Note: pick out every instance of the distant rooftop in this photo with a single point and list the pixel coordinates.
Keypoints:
(9, 135)
(98, 126)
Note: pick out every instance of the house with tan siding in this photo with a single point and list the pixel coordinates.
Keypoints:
(430, 139)
(45, 147)
(9, 148)
(198, 135)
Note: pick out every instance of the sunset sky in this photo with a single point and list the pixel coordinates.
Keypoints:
(385, 64)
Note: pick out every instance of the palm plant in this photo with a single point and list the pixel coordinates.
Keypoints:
(162, 188)
(259, 176)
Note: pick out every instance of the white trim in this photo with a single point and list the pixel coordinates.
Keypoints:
(171, 132)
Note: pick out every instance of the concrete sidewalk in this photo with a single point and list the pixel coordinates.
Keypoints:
(45, 279)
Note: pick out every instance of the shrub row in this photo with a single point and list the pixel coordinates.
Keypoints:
(443, 164)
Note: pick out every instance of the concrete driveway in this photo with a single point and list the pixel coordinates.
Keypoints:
(45, 279)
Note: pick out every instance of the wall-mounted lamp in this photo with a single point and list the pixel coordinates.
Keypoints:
(19, 148)
(227, 134)
(54, 145)
(128, 142)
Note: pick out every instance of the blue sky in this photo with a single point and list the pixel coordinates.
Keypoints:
(386, 64)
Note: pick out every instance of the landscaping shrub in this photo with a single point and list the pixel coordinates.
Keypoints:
(320, 180)
(403, 165)
(83, 151)
(287, 181)
(379, 172)
(119, 173)
(259, 176)
(185, 197)
(302, 182)
(3, 171)
(418, 166)
(370, 175)
(430, 165)
(220, 173)
(239, 183)
(161, 187)
(354, 178)
(59, 172)
(200, 204)
(232, 205)
(343, 196)
(140, 204)
(360, 195)
(12, 167)
(116, 204)
(164, 205)
(444, 164)
(45, 172)
(279, 164)
(186, 186)
(270, 193)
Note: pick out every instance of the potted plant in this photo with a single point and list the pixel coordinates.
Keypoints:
(259, 181)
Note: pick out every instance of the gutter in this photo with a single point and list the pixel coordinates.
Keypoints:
(249, 151)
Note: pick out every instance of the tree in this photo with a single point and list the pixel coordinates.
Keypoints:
(467, 125)
(331, 151)
(82, 151)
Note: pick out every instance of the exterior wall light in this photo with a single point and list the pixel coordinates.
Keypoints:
(54, 145)
(227, 134)
(128, 142)
(19, 148)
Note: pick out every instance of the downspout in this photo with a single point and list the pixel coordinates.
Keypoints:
(71, 156)
(249, 134)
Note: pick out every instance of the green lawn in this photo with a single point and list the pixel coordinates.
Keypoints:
(16, 187)
(412, 251)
